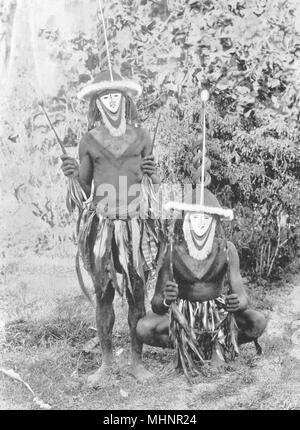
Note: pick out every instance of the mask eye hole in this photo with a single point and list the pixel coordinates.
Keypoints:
(200, 221)
(112, 96)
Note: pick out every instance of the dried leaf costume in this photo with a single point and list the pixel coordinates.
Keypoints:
(210, 326)
(115, 232)
(197, 327)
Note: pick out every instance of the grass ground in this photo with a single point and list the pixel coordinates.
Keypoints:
(47, 334)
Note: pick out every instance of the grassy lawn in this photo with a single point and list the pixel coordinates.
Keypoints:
(49, 339)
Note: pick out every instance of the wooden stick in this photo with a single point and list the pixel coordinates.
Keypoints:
(203, 158)
(171, 233)
(52, 128)
(106, 41)
(156, 128)
(204, 99)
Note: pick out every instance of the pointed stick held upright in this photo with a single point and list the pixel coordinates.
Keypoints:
(106, 40)
(204, 99)
(41, 104)
(156, 128)
(75, 196)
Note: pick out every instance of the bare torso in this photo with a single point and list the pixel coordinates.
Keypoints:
(200, 282)
(201, 291)
(196, 281)
(115, 162)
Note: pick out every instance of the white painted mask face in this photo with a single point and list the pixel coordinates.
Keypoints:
(111, 101)
(200, 223)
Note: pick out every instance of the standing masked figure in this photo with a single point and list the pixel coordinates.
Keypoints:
(116, 155)
(202, 260)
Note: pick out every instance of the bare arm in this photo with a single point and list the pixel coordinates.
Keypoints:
(85, 174)
(237, 300)
(157, 302)
(84, 171)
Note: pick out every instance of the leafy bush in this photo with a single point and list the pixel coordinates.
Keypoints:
(255, 170)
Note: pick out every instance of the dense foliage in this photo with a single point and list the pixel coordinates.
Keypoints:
(255, 170)
(244, 52)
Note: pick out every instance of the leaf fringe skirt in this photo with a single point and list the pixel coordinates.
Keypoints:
(199, 328)
(110, 246)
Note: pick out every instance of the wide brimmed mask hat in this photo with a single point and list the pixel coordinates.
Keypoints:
(191, 203)
(103, 82)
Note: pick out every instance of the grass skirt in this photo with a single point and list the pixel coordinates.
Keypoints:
(199, 328)
(110, 246)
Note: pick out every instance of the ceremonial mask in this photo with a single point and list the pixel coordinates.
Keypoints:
(199, 232)
(200, 223)
(111, 101)
(111, 95)
(111, 105)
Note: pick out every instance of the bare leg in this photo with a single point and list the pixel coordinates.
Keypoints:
(251, 325)
(153, 330)
(105, 318)
(136, 311)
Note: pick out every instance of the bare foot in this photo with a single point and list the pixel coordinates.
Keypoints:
(140, 372)
(102, 377)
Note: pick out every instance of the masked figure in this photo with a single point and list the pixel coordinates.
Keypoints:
(207, 323)
(115, 235)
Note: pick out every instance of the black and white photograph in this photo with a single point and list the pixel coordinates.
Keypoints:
(150, 207)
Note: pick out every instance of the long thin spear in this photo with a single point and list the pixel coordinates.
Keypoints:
(41, 104)
(76, 196)
(106, 40)
(156, 128)
(204, 99)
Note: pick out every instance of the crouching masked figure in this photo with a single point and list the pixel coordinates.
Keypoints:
(191, 309)
(116, 157)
